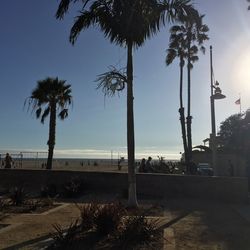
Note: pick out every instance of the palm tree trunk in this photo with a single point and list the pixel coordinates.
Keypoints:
(132, 198)
(189, 117)
(52, 135)
(182, 113)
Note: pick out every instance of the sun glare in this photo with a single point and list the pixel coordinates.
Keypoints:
(241, 71)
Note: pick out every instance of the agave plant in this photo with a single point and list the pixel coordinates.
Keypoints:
(138, 231)
(65, 238)
(108, 218)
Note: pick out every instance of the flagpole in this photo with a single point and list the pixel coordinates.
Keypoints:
(240, 103)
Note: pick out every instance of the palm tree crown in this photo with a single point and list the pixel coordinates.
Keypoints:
(124, 21)
(48, 92)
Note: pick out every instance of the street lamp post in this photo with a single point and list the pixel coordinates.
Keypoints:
(215, 95)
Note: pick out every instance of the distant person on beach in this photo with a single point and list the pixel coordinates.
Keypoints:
(142, 166)
(149, 168)
(119, 164)
(8, 161)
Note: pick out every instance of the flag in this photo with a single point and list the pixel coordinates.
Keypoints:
(238, 101)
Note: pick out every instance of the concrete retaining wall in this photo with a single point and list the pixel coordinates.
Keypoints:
(155, 185)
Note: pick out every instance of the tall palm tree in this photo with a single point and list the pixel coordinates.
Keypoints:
(176, 50)
(51, 97)
(126, 23)
(186, 40)
(196, 35)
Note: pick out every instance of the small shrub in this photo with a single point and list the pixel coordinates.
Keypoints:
(18, 196)
(136, 232)
(88, 213)
(65, 239)
(108, 218)
(33, 205)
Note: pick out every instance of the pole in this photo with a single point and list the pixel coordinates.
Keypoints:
(213, 134)
(212, 93)
(240, 103)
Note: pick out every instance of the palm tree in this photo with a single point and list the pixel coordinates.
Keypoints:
(50, 97)
(176, 49)
(126, 23)
(196, 35)
(188, 38)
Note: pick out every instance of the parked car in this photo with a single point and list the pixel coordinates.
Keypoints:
(205, 169)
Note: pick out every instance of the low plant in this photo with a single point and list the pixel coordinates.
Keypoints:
(18, 196)
(88, 213)
(108, 218)
(65, 238)
(137, 231)
(33, 205)
(107, 227)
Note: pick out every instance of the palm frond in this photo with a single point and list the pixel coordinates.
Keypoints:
(81, 23)
(174, 9)
(38, 112)
(63, 114)
(171, 55)
(45, 114)
(64, 6)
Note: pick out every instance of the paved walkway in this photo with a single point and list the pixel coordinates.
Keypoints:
(23, 228)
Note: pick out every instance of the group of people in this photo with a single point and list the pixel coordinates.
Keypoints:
(146, 166)
(7, 162)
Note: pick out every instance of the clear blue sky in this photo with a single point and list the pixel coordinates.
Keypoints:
(35, 45)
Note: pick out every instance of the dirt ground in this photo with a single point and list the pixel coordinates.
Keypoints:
(207, 225)
(189, 224)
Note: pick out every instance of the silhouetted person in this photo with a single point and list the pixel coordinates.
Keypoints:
(119, 164)
(148, 167)
(8, 161)
(142, 166)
